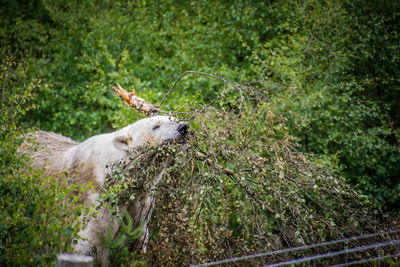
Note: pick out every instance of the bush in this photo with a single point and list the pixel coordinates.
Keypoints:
(240, 189)
(38, 213)
(239, 186)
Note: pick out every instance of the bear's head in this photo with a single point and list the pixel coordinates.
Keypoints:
(153, 130)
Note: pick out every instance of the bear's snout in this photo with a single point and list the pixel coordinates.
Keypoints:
(183, 129)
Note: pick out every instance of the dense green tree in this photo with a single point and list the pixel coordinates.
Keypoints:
(38, 213)
(145, 45)
(332, 73)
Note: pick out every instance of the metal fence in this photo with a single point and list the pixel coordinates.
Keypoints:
(383, 247)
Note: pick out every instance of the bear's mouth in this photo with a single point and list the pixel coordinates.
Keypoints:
(180, 140)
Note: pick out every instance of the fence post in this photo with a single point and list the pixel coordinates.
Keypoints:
(74, 260)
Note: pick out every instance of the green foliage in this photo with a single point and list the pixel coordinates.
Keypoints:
(238, 186)
(329, 67)
(38, 213)
(120, 188)
(118, 247)
(328, 70)
(127, 182)
(38, 218)
(328, 73)
(83, 55)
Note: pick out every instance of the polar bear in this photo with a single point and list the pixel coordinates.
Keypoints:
(89, 160)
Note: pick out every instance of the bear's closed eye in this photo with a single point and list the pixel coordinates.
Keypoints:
(156, 127)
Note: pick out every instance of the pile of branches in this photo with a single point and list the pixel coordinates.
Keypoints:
(239, 186)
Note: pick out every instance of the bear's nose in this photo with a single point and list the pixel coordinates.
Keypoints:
(183, 129)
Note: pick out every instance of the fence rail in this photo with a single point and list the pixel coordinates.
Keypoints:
(366, 260)
(383, 246)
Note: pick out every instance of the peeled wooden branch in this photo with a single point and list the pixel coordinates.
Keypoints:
(135, 101)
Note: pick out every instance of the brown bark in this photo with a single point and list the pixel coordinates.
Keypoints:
(132, 100)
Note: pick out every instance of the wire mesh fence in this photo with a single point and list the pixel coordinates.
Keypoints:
(377, 248)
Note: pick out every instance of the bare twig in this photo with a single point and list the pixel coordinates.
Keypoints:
(235, 86)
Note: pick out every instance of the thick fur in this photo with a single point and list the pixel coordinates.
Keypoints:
(86, 162)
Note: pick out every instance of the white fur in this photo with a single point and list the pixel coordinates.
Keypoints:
(109, 148)
(57, 153)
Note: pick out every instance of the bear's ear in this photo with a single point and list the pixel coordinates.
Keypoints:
(121, 142)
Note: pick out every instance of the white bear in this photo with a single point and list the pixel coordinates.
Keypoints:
(56, 153)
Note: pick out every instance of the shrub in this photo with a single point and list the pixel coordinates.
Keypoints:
(240, 186)
(38, 213)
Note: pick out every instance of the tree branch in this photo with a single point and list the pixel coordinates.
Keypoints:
(135, 101)
(149, 109)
